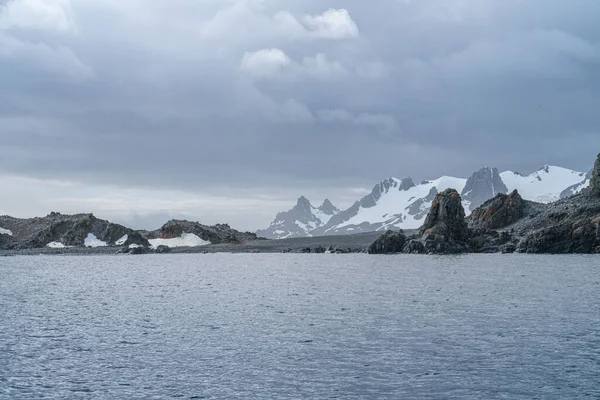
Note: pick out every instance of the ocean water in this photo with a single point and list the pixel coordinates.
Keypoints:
(264, 326)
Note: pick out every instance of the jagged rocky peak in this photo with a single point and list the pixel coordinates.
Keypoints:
(482, 186)
(406, 184)
(328, 208)
(303, 203)
(595, 180)
(499, 212)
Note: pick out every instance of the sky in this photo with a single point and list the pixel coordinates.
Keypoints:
(229, 110)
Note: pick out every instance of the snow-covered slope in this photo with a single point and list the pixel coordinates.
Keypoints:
(400, 204)
(545, 185)
(393, 204)
(300, 221)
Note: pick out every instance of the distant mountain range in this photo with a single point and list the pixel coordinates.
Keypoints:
(401, 204)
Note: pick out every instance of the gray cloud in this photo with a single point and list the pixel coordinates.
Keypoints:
(293, 96)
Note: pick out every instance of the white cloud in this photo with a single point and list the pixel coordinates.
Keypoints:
(275, 64)
(265, 63)
(53, 15)
(58, 60)
(332, 24)
(320, 67)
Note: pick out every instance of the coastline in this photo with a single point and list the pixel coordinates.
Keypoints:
(358, 243)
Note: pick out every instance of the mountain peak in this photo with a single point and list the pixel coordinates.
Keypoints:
(303, 202)
(483, 185)
(328, 208)
(406, 183)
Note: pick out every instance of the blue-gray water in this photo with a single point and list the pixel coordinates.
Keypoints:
(300, 326)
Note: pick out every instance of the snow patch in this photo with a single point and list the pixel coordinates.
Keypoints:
(134, 246)
(92, 241)
(122, 241)
(55, 245)
(5, 232)
(185, 240)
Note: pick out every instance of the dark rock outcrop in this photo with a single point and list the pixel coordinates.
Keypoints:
(389, 243)
(68, 230)
(594, 189)
(162, 249)
(446, 217)
(445, 229)
(570, 225)
(216, 234)
(499, 212)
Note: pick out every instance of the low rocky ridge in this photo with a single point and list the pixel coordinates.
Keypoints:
(60, 230)
(506, 223)
(217, 234)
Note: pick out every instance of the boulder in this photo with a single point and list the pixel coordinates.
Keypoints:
(389, 243)
(162, 249)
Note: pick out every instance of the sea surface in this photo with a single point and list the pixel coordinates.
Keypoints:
(260, 326)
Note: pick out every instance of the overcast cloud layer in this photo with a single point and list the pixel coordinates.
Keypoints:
(228, 110)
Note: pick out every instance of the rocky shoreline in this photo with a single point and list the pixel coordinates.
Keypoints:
(343, 244)
(504, 224)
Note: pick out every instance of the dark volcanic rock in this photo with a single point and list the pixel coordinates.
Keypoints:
(389, 243)
(499, 212)
(69, 230)
(595, 181)
(445, 229)
(570, 225)
(446, 217)
(217, 234)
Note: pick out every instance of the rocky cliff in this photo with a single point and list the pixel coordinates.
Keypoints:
(58, 230)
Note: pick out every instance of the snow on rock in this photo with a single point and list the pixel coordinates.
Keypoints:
(92, 241)
(393, 205)
(5, 232)
(55, 245)
(300, 221)
(185, 240)
(400, 204)
(122, 241)
(543, 186)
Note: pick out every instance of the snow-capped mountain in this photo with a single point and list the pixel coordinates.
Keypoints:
(545, 185)
(402, 204)
(300, 221)
(392, 204)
